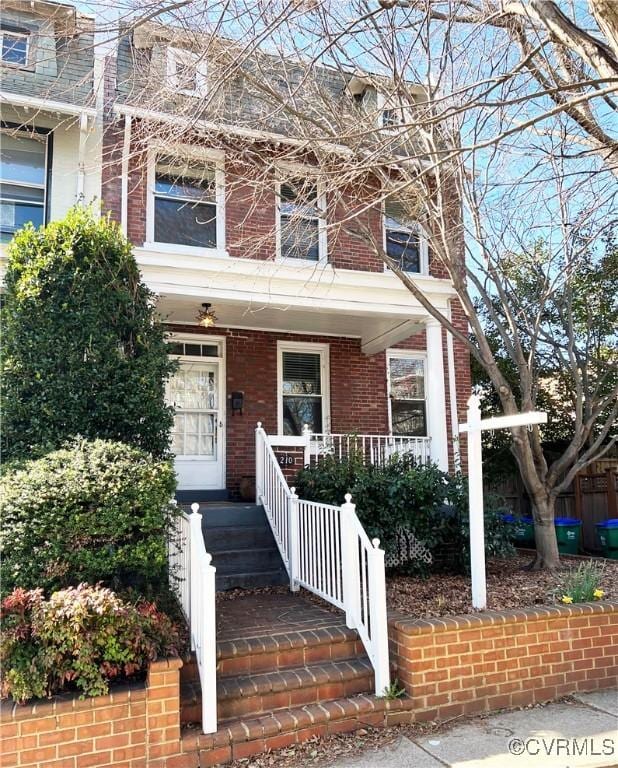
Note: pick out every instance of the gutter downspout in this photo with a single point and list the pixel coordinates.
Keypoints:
(124, 178)
(81, 169)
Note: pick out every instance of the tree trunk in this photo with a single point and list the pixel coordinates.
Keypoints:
(547, 556)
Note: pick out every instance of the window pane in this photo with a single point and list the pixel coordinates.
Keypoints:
(19, 193)
(299, 239)
(298, 411)
(301, 373)
(13, 216)
(408, 417)
(407, 378)
(22, 159)
(188, 180)
(14, 49)
(184, 223)
(404, 248)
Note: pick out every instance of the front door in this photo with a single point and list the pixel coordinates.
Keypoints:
(197, 437)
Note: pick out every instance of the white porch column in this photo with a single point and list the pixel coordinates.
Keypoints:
(436, 401)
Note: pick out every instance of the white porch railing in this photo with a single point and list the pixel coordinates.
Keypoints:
(192, 578)
(326, 550)
(372, 449)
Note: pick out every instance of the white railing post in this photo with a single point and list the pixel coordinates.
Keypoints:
(476, 513)
(293, 544)
(350, 563)
(307, 436)
(259, 464)
(195, 530)
(378, 617)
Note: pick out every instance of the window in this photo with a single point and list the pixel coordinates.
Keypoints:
(23, 172)
(193, 349)
(186, 202)
(300, 229)
(303, 388)
(390, 118)
(14, 48)
(186, 72)
(403, 240)
(406, 389)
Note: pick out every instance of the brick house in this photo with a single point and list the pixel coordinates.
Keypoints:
(311, 329)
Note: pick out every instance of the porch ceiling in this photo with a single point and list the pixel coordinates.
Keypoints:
(377, 331)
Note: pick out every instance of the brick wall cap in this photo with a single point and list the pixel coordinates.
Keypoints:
(412, 626)
(162, 665)
(70, 702)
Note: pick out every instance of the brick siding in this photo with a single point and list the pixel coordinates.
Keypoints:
(483, 662)
(133, 726)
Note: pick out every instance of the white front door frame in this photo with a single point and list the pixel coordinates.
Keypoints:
(220, 363)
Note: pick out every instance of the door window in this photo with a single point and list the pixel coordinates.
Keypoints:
(193, 393)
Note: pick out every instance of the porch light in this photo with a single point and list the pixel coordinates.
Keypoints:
(206, 317)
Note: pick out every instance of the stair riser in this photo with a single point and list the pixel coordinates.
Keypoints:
(295, 657)
(275, 701)
(247, 561)
(233, 516)
(224, 581)
(245, 537)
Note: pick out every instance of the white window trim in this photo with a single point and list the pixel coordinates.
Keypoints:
(4, 32)
(423, 244)
(186, 57)
(407, 354)
(298, 346)
(322, 234)
(213, 157)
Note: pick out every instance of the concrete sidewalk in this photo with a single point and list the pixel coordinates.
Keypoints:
(555, 736)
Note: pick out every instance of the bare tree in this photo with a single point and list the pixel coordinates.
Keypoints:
(490, 124)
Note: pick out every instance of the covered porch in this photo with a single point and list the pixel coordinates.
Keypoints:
(357, 369)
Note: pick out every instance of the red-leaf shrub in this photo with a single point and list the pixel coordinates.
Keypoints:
(80, 638)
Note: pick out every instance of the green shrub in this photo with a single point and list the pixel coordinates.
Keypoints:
(402, 495)
(83, 350)
(94, 511)
(80, 639)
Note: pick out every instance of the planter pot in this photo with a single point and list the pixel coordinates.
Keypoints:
(247, 488)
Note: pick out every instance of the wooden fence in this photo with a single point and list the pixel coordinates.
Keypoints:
(591, 498)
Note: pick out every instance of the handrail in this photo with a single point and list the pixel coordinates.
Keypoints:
(192, 578)
(371, 448)
(325, 549)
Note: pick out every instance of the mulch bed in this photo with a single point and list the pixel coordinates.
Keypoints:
(508, 586)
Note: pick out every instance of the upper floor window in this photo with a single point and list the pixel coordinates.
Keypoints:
(404, 241)
(406, 389)
(186, 72)
(14, 47)
(186, 202)
(301, 232)
(390, 117)
(23, 174)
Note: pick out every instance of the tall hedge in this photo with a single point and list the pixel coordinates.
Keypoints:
(83, 350)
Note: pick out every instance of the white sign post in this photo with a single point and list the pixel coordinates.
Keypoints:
(474, 428)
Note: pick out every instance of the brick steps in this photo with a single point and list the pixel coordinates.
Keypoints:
(249, 736)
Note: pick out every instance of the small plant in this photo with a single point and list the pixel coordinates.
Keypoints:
(393, 691)
(582, 584)
(80, 638)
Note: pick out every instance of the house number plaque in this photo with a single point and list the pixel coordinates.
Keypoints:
(285, 459)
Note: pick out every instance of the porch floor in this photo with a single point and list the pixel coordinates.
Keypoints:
(272, 613)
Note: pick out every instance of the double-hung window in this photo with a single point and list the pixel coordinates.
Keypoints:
(186, 204)
(303, 388)
(23, 174)
(403, 239)
(14, 47)
(301, 234)
(186, 72)
(406, 385)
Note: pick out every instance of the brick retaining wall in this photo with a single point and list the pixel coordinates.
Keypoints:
(467, 664)
(135, 725)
